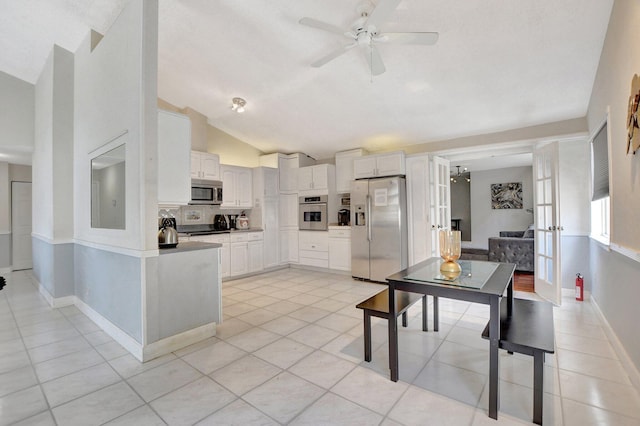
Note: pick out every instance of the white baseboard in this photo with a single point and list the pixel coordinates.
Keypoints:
(56, 302)
(178, 341)
(5, 270)
(128, 342)
(625, 360)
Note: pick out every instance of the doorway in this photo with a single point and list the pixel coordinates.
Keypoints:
(21, 255)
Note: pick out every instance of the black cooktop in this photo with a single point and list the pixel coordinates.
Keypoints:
(200, 229)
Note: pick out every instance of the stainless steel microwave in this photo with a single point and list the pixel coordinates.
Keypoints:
(206, 192)
(313, 213)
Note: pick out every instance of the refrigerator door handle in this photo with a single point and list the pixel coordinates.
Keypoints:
(368, 219)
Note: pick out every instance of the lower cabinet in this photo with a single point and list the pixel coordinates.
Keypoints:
(255, 250)
(241, 252)
(314, 248)
(225, 257)
(289, 245)
(340, 248)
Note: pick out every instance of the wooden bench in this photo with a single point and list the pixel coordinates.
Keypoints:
(529, 331)
(378, 306)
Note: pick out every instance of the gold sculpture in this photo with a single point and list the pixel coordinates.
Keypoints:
(450, 252)
(633, 130)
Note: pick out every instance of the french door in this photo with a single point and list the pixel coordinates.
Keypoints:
(547, 222)
(441, 201)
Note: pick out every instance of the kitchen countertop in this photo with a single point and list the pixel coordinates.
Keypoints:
(189, 246)
(195, 230)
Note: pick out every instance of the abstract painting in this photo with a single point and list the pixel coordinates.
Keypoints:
(506, 195)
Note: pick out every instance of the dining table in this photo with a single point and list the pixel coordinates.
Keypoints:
(489, 283)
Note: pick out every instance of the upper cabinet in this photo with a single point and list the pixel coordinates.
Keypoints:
(205, 166)
(287, 165)
(237, 187)
(344, 169)
(380, 165)
(314, 177)
(174, 145)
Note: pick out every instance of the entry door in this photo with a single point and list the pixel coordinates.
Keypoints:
(547, 226)
(441, 201)
(418, 209)
(21, 225)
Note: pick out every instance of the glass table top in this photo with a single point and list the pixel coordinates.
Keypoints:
(474, 274)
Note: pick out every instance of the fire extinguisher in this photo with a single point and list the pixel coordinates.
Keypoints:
(579, 287)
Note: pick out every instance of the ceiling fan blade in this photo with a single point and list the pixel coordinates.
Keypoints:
(310, 22)
(381, 13)
(375, 61)
(331, 56)
(409, 38)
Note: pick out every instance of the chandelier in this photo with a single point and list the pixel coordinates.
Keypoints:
(461, 175)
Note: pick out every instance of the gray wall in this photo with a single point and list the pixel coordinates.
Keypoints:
(110, 284)
(54, 267)
(5, 251)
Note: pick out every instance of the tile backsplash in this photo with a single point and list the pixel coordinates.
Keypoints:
(199, 215)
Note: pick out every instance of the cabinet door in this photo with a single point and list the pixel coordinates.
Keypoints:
(195, 165)
(283, 237)
(390, 164)
(364, 167)
(271, 187)
(293, 246)
(255, 249)
(244, 184)
(174, 148)
(209, 166)
(271, 237)
(228, 187)
(225, 260)
(344, 174)
(239, 261)
(305, 178)
(288, 210)
(286, 167)
(340, 254)
(320, 176)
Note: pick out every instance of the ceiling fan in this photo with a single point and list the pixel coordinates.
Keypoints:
(364, 32)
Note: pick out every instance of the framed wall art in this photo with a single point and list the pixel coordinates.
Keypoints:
(506, 195)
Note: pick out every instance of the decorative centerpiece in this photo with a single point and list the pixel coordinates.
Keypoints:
(450, 252)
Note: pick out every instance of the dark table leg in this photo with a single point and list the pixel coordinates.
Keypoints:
(393, 333)
(510, 297)
(494, 368)
(436, 314)
(425, 325)
(367, 336)
(538, 375)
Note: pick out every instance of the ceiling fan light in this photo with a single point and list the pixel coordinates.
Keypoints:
(237, 105)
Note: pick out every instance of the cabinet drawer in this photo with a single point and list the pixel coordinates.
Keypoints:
(220, 239)
(319, 263)
(310, 254)
(314, 245)
(240, 237)
(314, 240)
(339, 233)
(254, 236)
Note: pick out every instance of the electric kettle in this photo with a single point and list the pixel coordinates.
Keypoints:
(167, 235)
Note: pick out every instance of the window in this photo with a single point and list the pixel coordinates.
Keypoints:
(600, 203)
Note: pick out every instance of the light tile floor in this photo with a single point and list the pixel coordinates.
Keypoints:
(290, 351)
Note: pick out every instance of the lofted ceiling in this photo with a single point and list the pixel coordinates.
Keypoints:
(498, 65)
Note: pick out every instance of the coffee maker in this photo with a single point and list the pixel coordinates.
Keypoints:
(220, 223)
(233, 218)
(344, 216)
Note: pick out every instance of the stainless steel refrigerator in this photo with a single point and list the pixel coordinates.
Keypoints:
(378, 227)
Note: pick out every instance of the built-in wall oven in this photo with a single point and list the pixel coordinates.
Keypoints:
(313, 213)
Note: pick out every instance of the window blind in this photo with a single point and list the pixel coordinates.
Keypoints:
(600, 165)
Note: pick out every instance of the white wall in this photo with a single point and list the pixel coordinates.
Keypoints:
(16, 119)
(487, 222)
(5, 193)
(615, 276)
(115, 102)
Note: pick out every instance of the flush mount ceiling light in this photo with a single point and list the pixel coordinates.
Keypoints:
(467, 176)
(237, 105)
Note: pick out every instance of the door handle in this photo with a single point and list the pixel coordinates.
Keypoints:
(368, 218)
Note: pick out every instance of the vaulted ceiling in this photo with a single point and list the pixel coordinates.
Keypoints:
(497, 65)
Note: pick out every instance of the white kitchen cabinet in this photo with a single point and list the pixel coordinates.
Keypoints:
(237, 187)
(340, 248)
(270, 227)
(314, 248)
(314, 178)
(174, 147)
(255, 255)
(289, 210)
(287, 165)
(239, 253)
(205, 166)
(344, 169)
(380, 165)
(289, 245)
